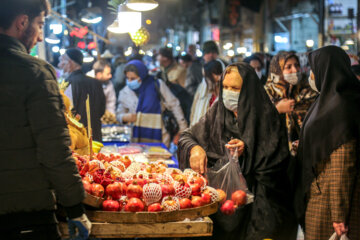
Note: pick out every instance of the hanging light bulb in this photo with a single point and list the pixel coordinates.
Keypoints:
(52, 39)
(129, 22)
(142, 5)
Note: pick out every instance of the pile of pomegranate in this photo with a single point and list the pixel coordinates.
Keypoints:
(134, 187)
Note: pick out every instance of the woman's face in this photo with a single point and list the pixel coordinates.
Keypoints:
(233, 80)
(131, 76)
(291, 66)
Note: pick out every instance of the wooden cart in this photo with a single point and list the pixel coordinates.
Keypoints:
(198, 228)
(192, 222)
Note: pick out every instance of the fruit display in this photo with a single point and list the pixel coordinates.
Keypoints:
(130, 186)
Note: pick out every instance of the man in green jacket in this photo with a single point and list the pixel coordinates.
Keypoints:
(36, 163)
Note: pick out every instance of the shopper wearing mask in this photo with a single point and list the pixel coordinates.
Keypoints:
(140, 104)
(290, 93)
(237, 118)
(208, 91)
(258, 65)
(328, 190)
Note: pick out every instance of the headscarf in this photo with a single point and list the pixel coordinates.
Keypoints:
(148, 123)
(277, 90)
(333, 119)
(266, 156)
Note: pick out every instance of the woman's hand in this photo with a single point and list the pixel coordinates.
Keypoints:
(198, 159)
(129, 118)
(236, 143)
(340, 228)
(285, 105)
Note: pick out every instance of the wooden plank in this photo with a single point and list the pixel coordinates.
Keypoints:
(151, 217)
(93, 201)
(149, 230)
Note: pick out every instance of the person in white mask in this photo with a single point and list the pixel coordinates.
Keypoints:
(290, 93)
(245, 119)
(257, 64)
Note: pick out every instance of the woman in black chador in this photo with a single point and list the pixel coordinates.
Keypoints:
(245, 117)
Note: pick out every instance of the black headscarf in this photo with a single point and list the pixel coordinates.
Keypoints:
(333, 119)
(265, 158)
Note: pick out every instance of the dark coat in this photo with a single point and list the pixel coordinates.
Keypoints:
(34, 139)
(81, 86)
(263, 163)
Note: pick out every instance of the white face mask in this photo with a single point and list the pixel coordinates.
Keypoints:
(292, 78)
(230, 99)
(259, 74)
(312, 83)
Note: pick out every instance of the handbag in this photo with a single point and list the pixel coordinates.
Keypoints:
(170, 123)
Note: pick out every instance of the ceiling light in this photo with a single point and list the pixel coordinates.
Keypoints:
(231, 53)
(90, 20)
(88, 58)
(241, 50)
(142, 5)
(55, 49)
(52, 39)
(310, 43)
(349, 42)
(56, 28)
(128, 22)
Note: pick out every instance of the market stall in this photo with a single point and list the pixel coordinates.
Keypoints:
(132, 191)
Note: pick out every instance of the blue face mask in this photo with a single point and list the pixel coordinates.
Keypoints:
(134, 84)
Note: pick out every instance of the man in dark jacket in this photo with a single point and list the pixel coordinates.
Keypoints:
(80, 87)
(36, 161)
(193, 73)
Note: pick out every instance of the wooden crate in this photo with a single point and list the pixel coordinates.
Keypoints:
(93, 201)
(199, 228)
(152, 217)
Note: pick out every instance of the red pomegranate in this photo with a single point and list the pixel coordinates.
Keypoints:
(185, 203)
(206, 198)
(167, 190)
(126, 161)
(199, 180)
(239, 198)
(111, 205)
(134, 190)
(87, 186)
(97, 190)
(182, 189)
(155, 207)
(134, 205)
(195, 188)
(170, 204)
(116, 190)
(228, 207)
(196, 201)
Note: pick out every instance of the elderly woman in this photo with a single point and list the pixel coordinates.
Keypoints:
(237, 118)
(290, 94)
(328, 193)
(142, 101)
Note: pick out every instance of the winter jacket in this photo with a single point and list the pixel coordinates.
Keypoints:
(36, 161)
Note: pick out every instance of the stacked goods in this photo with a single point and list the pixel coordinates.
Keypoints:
(134, 187)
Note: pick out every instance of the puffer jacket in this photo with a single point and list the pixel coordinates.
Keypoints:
(35, 160)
